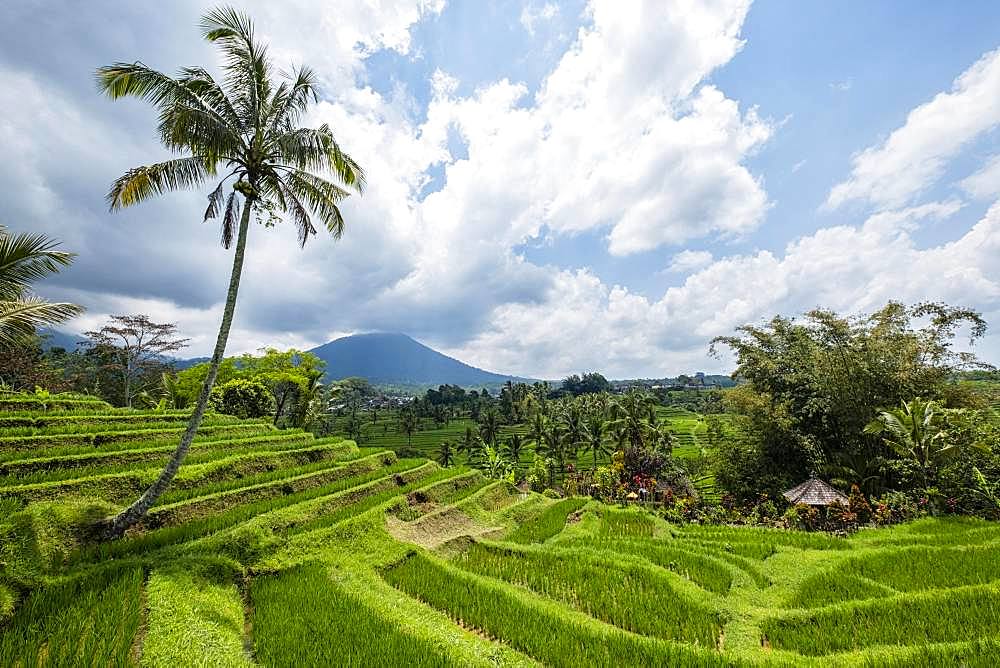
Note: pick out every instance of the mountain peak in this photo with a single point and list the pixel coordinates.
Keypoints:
(397, 358)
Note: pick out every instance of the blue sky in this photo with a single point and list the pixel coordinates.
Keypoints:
(556, 187)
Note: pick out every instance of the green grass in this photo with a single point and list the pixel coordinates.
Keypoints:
(705, 571)
(547, 524)
(231, 553)
(194, 619)
(626, 523)
(260, 512)
(933, 617)
(544, 630)
(632, 597)
(88, 621)
(302, 618)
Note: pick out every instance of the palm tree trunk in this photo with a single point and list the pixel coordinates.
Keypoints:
(126, 518)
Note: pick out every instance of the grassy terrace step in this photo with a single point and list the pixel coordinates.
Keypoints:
(541, 628)
(448, 491)
(886, 571)
(119, 487)
(547, 523)
(267, 516)
(14, 444)
(26, 404)
(744, 536)
(49, 423)
(631, 596)
(195, 617)
(90, 620)
(711, 573)
(302, 618)
(62, 467)
(966, 613)
(284, 482)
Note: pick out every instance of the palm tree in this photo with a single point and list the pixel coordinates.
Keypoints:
(24, 259)
(489, 426)
(515, 444)
(595, 429)
(248, 125)
(471, 445)
(635, 417)
(555, 445)
(916, 430)
(408, 424)
(446, 454)
(536, 430)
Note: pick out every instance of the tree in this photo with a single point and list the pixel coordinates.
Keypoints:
(811, 385)
(471, 445)
(408, 424)
(136, 344)
(243, 397)
(916, 430)
(595, 429)
(446, 454)
(489, 426)
(249, 125)
(515, 445)
(24, 259)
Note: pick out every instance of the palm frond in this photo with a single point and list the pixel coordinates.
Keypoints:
(25, 258)
(19, 318)
(322, 197)
(214, 202)
(162, 91)
(140, 183)
(247, 65)
(229, 220)
(316, 148)
(291, 99)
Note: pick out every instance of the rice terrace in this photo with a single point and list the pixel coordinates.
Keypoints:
(825, 493)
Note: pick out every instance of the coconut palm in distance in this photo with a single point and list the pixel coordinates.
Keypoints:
(246, 129)
(24, 259)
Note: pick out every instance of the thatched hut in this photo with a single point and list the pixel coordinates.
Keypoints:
(815, 492)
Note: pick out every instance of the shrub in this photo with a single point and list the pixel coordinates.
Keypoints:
(244, 398)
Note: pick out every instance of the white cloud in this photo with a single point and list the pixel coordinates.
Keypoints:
(531, 15)
(842, 86)
(689, 260)
(985, 183)
(915, 155)
(849, 269)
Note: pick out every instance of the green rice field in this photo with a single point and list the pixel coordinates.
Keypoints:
(276, 548)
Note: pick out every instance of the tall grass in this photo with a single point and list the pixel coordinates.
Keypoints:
(554, 636)
(913, 619)
(369, 483)
(14, 444)
(626, 523)
(67, 467)
(632, 597)
(118, 487)
(547, 523)
(194, 619)
(88, 621)
(701, 569)
(302, 618)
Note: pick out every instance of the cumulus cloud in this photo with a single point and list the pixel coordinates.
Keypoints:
(689, 260)
(914, 156)
(850, 269)
(985, 183)
(624, 139)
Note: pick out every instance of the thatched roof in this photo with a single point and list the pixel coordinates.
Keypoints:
(815, 492)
